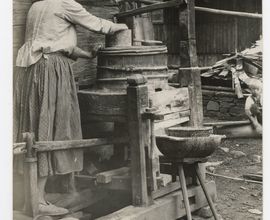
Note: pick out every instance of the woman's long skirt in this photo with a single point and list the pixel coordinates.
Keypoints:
(46, 103)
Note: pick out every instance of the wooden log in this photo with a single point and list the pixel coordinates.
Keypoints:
(106, 177)
(233, 178)
(226, 12)
(253, 176)
(238, 131)
(227, 123)
(30, 176)
(150, 8)
(137, 95)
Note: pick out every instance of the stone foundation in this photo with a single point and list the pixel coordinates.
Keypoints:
(223, 106)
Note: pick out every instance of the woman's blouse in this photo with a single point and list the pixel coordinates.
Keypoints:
(50, 27)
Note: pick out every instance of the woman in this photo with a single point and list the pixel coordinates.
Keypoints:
(253, 106)
(45, 99)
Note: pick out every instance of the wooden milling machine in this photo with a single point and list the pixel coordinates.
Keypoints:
(133, 93)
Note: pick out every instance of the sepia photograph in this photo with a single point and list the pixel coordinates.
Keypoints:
(137, 110)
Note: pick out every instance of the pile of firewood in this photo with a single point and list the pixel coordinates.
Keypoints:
(239, 67)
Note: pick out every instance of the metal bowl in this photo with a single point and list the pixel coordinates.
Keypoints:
(188, 147)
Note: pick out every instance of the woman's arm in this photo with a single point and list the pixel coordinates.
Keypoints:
(76, 14)
(252, 118)
(79, 53)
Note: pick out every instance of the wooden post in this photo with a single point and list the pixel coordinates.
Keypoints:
(137, 99)
(188, 58)
(30, 176)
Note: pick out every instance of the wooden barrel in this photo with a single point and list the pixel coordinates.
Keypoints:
(116, 64)
(107, 100)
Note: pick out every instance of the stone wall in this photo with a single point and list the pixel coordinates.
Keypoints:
(223, 106)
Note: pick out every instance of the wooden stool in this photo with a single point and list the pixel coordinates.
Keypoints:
(179, 164)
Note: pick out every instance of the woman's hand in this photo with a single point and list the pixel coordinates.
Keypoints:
(95, 49)
(118, 27)
(259, 129)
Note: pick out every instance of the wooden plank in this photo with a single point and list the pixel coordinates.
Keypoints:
(231, 13)
(106, 177)
(173, 97)
(20, 11)
(153, 7)
(169, 207)
(137, 95)
(160, 127)
(18, 35)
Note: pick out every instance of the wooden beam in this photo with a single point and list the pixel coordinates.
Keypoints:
(137, 99)
(231, 13)
(188, 58)
(30, 176)
(106, 177)
(169, 207)
(153, 7)
(45, 146)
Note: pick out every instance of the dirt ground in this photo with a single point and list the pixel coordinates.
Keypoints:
(237, 198)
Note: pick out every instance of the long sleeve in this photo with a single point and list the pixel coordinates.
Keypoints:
(76, 14)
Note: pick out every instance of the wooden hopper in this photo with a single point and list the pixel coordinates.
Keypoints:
(188, 147)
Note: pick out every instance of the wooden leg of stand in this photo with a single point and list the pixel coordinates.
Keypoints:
(174, 171)
(184, 190)
(210, 202)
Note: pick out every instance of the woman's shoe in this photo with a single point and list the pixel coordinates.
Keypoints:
(50, 209)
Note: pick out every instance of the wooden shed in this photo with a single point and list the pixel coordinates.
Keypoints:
(215, 34)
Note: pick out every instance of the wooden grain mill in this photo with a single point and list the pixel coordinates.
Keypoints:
(122, 96)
